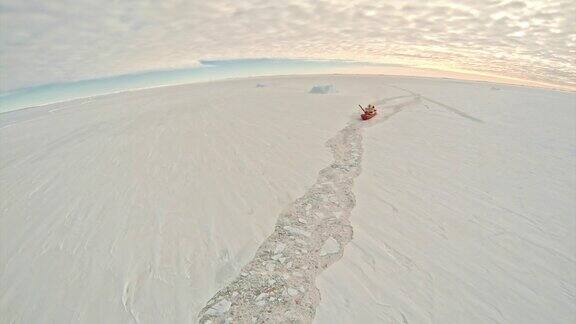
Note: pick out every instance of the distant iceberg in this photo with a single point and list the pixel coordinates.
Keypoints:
(323, 89)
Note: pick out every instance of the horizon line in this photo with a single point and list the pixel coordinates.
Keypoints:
(183, 76)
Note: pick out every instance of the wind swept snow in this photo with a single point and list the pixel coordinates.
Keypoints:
(228, 202)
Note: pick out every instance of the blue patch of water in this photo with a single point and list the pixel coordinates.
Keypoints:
(209, 70)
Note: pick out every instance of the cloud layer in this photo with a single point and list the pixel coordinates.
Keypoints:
(68, 40)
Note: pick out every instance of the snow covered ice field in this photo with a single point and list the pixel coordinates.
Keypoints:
(231, 200)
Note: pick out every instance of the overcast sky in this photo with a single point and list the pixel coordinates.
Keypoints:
(43, 42)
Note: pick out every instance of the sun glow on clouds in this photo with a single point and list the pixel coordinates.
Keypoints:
(67, 40)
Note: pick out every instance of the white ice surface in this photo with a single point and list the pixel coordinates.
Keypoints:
(139, 206)
(463, 220)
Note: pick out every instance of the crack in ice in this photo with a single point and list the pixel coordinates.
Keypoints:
(278, 284)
